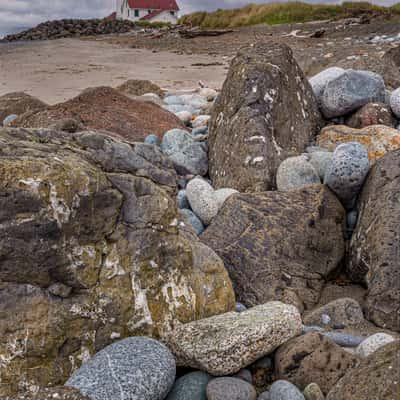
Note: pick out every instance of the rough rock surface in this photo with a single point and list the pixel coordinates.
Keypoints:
(313, 358)
(257, 122)
(375, 245)
(279, 245)
(350, 91)
(136, 87)
(376, 378)
(373, 343)
(345, 311)
(320, 81)
(55, 393)
(226, 343)
(19, 103)
(107, 109)
(377, 139)
(135, 368)
(372, 114)
(230, 388)
(90, 252)
(313, 392)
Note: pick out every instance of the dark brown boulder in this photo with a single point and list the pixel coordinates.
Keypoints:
(372, 114)
(279, 245)
(136, 87)
(376, 378)
(19, 103)
(104, 108)
(375, 245)
(265, 113)
(313, 358)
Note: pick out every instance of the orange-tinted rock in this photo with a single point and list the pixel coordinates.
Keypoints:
(377, 139)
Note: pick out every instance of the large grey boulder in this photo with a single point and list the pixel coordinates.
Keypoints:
(279, 245)
(226, 343)
(319, 81)
(135, 368)
(375, 246)
(350, 91)
(265, 113)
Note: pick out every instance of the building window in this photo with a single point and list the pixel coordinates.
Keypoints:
(136, 13)
(172, 12)
(149, 11)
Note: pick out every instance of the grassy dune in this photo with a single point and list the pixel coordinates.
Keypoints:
(283, 13)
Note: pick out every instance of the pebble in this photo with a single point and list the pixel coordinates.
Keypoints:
(264, 396)
(347, 172)
(202, 200)
(187, 155)
(209, 94)
(184, 116)
(201, 130)
(221, 195)
(395, 102)
(284, 390)
(344, 339)
(191, 218)
(296, 173)
(239, 307)
(313, 392)
(230, 388)
(319, 82)
(350, 91)
(173, 100)
(133, 368)
(192, 386)
(182, 200)
(244, 374)
(351, 219)
(201, 121)
(151, 139)
(9, 119)
(321, 160)
(373, 343)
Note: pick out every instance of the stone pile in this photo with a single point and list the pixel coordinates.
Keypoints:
(250, 251)
(72, 28)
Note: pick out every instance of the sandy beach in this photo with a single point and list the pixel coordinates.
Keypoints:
(57, 70)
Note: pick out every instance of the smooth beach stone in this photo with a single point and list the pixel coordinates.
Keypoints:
(151, 139)
(9, 119)
(284, 390)
(321, 160)
(347, 172)
(296, 173)
(184, 116)
(240, 307)
(373, 343)
(264, 396)
(344, 339)
(313, 392)
(244, 374)
(137, 368)
(350, 91)
(221, 195)
(191, 386)
(395, 102)
(191, 218)
(182, 200)
(230, 388)
(200, 121)
(201, 130)
(319, 81)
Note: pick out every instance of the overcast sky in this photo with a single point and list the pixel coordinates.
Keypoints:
(16, 14)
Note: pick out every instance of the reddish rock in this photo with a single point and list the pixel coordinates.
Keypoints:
(372, 114)
(19, 103)
(104, 108)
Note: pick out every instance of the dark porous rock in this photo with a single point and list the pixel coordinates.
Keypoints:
(372, 114)
(375, 246)
(350, 91)
(279, 245)
(136, 368)
(91, 252)
(192, 386)
(344, 312)
(313, 358)
(265, 113)
(230, 388)
(104, 108)
(19, 103)
(376, 378)
(55, 393)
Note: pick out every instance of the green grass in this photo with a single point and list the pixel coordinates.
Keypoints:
(283, 13)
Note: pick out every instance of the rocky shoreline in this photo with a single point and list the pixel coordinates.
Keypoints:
(204, 245)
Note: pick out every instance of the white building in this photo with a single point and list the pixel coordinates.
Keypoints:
(148, 10)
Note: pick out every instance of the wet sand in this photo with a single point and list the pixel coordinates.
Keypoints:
(57, 70)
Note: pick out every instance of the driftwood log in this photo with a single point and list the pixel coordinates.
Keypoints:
(191, 34)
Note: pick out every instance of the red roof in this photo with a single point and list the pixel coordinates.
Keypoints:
(151, 15)
(112, 16)
(169, 5)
